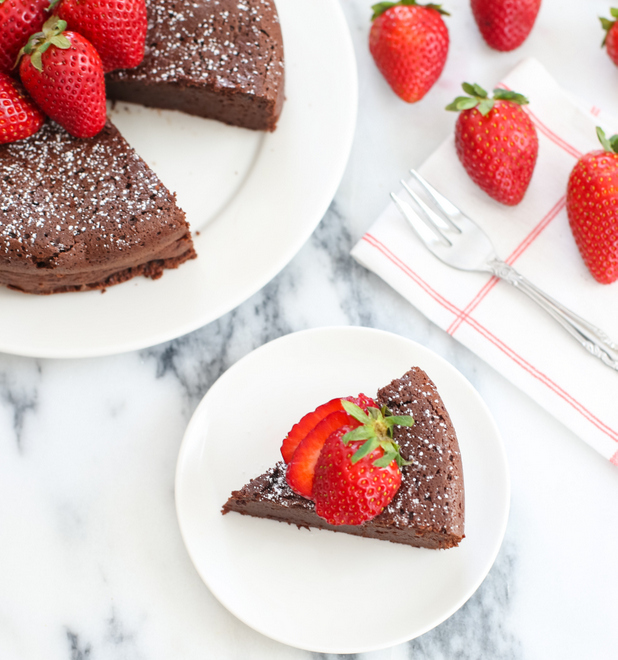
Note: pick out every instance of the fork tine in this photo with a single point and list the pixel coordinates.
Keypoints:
(445, 205)
(427, 233)
(430, 216)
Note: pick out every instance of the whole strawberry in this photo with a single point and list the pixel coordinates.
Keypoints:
(358, 472)
(409, 44)
(116, 28)
(18, 20)
(63, 73)
(19, 116)
(496, 142)
(610, 40)
(505, 24)
(592, 207)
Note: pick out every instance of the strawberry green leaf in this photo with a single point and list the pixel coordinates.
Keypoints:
(355, 411)
(36, 61)
(603, 139)
(474, 90)
(606, 23)
(509, 95)
(60, 41)
(479, 99)
(386, 460)
(380, 7)
(485, 106)
(400, 420)
(462, 103)
(365, 449)
(359, 433)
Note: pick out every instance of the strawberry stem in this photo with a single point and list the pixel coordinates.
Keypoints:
(377, 431)
(51, 34)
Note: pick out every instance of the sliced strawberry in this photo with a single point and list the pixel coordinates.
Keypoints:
(307, 424)
(300, 470)
(300, 430)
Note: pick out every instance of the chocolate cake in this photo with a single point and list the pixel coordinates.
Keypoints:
(428, 509)
(220, 59)
(84, 214)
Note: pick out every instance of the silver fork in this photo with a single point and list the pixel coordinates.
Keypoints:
(459, 242)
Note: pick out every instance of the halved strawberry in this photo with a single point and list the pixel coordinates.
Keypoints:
(312, 419)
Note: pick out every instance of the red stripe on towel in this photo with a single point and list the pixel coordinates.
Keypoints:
(498, 343)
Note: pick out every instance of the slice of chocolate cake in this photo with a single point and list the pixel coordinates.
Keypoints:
(84, 214)
(428, 509)
(220, 59)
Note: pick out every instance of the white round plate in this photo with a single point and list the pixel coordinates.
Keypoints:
(314, 589)
(253, 198)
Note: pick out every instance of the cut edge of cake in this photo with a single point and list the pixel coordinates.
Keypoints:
(220, 60)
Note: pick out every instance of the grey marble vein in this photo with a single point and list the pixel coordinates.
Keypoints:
(78, 651)
(19, 393)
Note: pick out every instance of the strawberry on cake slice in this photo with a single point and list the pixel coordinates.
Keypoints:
(386, 468)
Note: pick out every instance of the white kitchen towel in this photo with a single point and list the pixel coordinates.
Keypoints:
(492, 318)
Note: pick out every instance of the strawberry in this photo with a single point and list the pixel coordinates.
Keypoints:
(592, 207)
(310, 420)
(299, 473)
(301, 468)
(409, 44)
(496, 142)
(63, 73)
(18, 20)
(505, 24)
(19, 117)
(116, 28)
(358, 472)
(611, 35)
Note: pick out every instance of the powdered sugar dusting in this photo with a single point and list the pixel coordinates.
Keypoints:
(61, 194)
(433, 480)
(224, 43)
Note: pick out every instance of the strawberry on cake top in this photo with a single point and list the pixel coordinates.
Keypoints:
(427, 507)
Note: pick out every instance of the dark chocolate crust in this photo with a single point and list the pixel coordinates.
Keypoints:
(84, 214)
(219, 59)
(428, 509)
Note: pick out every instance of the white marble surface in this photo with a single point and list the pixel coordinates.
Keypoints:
(93, 564)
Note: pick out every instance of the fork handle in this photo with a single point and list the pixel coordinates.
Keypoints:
(590, 337)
